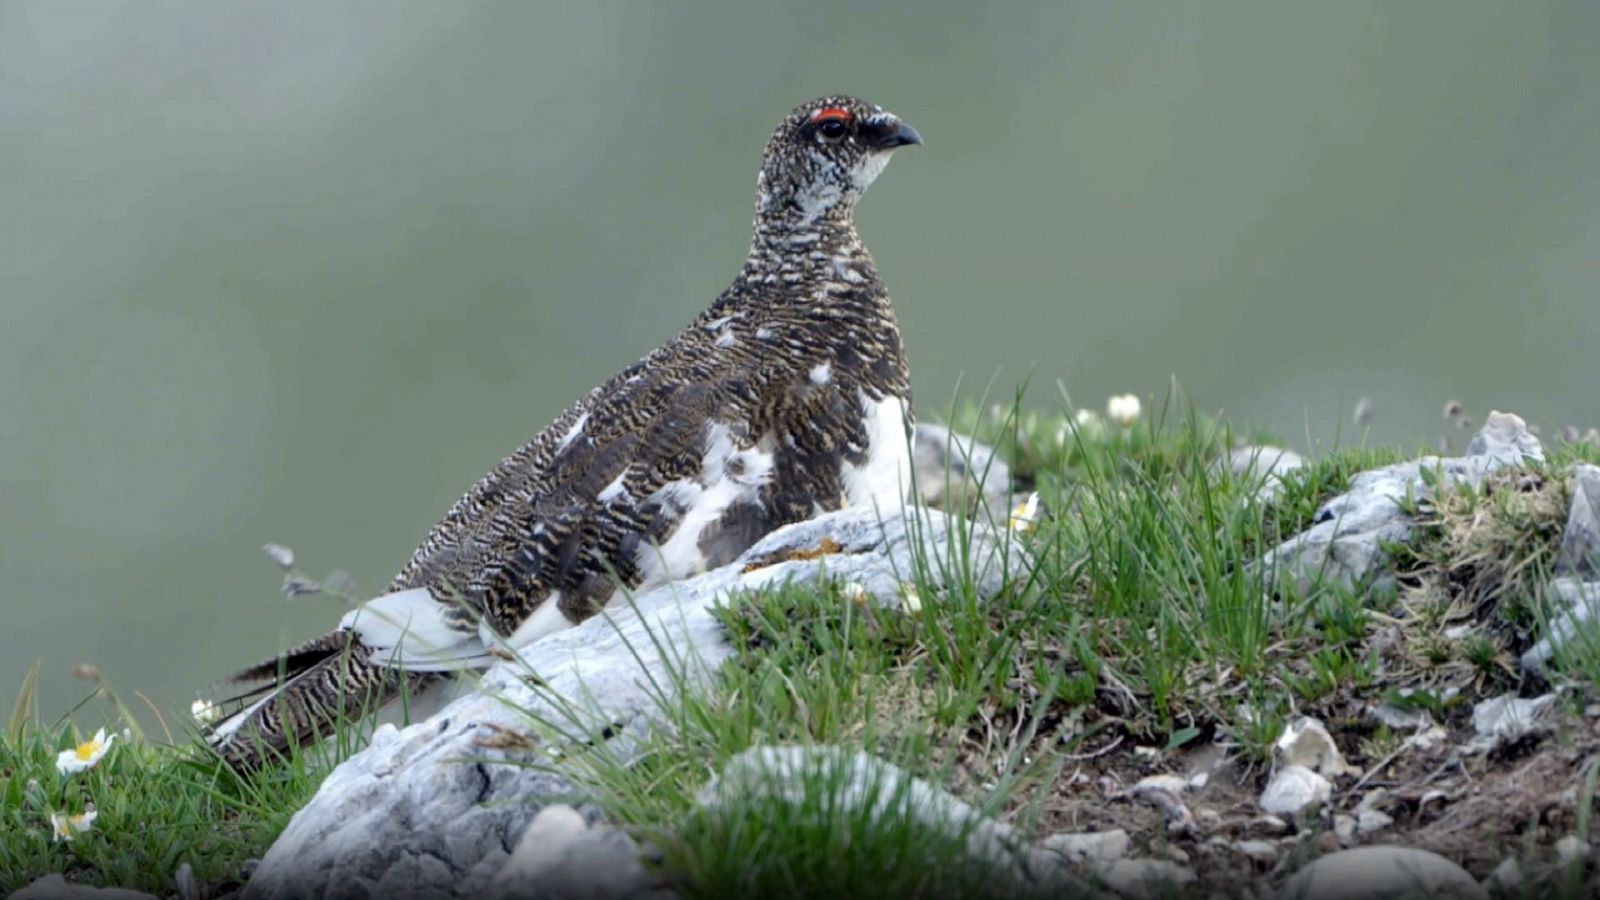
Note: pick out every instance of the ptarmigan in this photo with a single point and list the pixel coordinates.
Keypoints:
(789, 396)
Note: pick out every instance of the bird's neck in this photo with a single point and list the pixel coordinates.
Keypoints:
(798, 250)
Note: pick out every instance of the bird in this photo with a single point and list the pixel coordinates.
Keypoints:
(787, 397)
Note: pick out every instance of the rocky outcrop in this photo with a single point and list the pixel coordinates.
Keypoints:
(430, 810)
(1346, 540)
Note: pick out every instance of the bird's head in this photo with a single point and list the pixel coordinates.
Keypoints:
(824, 155)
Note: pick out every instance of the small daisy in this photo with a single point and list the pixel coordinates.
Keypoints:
(64, 826)
(1123, 409)
(86, 755)
(1026, 514)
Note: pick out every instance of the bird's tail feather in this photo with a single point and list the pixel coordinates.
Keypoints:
(319, 687)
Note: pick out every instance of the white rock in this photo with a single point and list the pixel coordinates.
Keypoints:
(427, 811)
(1294, 788)
(1381, 872)
(1580, 541)
(1306, 742)
(1575, 606)
(1176, 784)
(1571, 848)
(953, 470)
(1260, 851)
(561, 856)
(1266, 466)
(1508, 717)
(1401, 719)
(1346, 540)
(55, 887)
(1143, 879)
(1088, 846)
(1370, 820)
(1344, 826)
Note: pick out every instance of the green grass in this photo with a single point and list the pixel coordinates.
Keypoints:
(159, 803)
(1141, 621)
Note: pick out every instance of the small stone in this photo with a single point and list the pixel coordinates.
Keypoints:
(1143, 879)
(1089, 846)
(1580, 541)
(1384, 872)
(1175, 784)
(1344, 826)
(1401, 719)
(1294, 788)
(1266, 466)
(1269, 824)
(56, 887)
(954, 470)
(1306, 742)
(1508, 717)
(560, 856)
(1427, 739)
(1571, 849)
(1260, 851)
(1370, 820)
(184, 881)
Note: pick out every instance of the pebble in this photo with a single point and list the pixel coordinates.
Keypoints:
(1382, 872)
(1294, 788)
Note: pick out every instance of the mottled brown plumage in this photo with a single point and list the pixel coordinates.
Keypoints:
(784, 398)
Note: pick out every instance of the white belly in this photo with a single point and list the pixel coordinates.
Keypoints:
(884, 480)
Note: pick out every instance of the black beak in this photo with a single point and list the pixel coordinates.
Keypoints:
(893, 134)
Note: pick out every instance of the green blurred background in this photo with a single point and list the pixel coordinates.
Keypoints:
(302, 271)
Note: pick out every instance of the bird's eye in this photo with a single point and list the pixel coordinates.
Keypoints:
(831, 129)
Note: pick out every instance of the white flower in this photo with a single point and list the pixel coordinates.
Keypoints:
(279, 554)
(204, 711)
(1123, 409)
(911, 601)
(64, 826)
(1088, 424)
(855, 592)
(85, 755)
(1026, 515)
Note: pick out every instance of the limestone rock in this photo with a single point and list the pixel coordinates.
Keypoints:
(1580, 541)
(1574, 605)
(1265, 467)
(562, 857)
(56, 887)
(1144, 879)
(1345, 541)
(1382, 872)
(1306, 742)
(1294, 788)
(426, 811)
(1089, 846)
(956, 471)
(1506, 718)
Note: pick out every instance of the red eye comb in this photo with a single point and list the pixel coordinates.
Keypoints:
(832, 112)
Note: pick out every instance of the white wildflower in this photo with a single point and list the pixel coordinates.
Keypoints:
(910, 600)
(1088, 424)
(86, 755)
(204, 711)
(1124, 409)
(854, 591)
(64, 826)
(1026, 514)
(279, 554)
